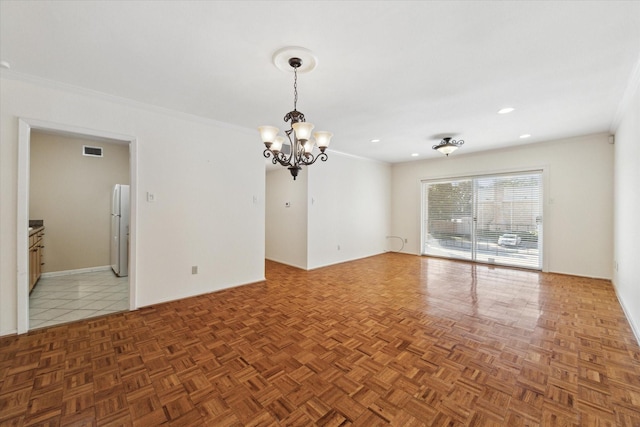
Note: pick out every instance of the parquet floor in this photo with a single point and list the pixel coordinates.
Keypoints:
(388, 340)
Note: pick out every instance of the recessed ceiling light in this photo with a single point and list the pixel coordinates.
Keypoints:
(526, 135)
(414, 154)
(375, 140)
(506, 110)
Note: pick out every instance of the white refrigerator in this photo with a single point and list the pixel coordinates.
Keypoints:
(120, 230)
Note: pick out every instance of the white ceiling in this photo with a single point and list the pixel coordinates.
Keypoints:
(406, 73)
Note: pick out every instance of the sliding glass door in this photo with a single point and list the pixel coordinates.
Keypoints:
(494, 219)
(448, 218)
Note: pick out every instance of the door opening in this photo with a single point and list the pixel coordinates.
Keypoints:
(26, 127)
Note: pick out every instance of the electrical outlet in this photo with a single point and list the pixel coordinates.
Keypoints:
(194, 269)
(338, 247)
(406, 240)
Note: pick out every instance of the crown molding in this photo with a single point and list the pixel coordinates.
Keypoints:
(78, 90)
(632, 85)
(355, 156)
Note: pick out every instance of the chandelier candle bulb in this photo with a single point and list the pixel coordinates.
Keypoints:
(323, 139)
(268, 134)
(302, 130)
(276, 147)
(308, 147)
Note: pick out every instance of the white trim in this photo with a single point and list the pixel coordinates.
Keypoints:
(546, 214)
(630, 89)
(329, 264)
(546, 191)
(25, 126)
(634, 328)
(76, 271)
(66, 129)
(544, 172)
(486, 173)
(355, 156)
(133, 224)
(50, 84)
(286, 263)
(350, 260)
(22, 224)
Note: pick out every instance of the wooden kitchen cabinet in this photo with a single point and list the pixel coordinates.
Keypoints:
(36, 247)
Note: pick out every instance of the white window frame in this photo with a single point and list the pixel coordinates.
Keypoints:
(544, 174)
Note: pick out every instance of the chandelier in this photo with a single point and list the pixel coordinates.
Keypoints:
(448, 146)
(299, 135)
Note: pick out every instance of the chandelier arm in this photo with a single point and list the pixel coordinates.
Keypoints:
(283, 159)
(307, 159)
(292, 148)
(320, 156)
(277, 158)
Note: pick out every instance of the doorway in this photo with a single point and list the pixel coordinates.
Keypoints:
(71, 181)
(26, 129)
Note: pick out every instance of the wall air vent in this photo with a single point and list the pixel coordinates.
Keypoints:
(91, 151)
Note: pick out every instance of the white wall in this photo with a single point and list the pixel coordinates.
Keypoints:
(578, 199)
(204, 213)
(286, 227)
(627, 211)
(72, 194)
(349, 206)
(344, 202)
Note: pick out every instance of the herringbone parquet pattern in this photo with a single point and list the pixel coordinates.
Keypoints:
(393, 339)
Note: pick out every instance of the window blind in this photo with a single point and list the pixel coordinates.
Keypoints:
(494, 219)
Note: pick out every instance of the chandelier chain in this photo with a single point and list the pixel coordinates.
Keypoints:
(295, 88)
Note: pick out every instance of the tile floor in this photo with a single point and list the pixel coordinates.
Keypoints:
(62, 299)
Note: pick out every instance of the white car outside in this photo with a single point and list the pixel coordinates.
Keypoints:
(509, 240)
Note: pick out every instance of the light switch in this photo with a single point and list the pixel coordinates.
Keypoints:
(151, 197)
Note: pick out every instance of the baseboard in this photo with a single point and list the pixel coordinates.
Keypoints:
(316, 267)
(285, 263)
(634, 328)
(226, 287)
(76, 271)
(10, 332)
